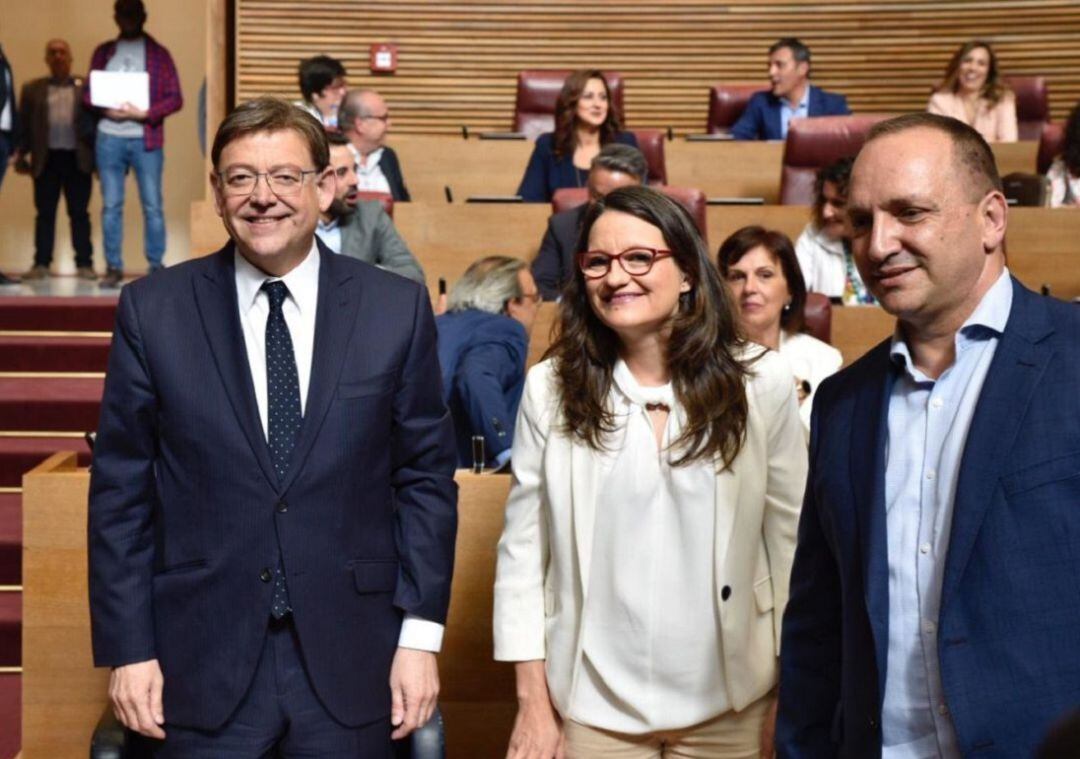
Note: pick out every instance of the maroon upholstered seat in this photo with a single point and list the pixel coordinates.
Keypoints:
(385, 198)
(1032, 104)
(727, 103)
(813, 144)
(691, 198)
(1051, 143)
(537, 91)
(651, 142)
(818, 316)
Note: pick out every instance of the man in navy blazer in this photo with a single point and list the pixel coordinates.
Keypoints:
(365, 119)
(934, 606)
(272, 505)
(791, 95)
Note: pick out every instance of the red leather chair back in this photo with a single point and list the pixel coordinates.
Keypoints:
(814, 143)
(537, 91)
(1051, 143)
(818, 316)
(692, 199)
(385, 198)
(727, 103)
(1032, 104)
(651, 143)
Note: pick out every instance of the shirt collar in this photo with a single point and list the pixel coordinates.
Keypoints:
(371, 163)
(302, 281)
(804, 103)
(328, 226)
(627, 385)
(988, 319)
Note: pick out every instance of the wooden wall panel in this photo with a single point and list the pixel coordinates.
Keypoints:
(458, 60)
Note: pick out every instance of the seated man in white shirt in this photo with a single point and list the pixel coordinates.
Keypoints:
(361, 228)
(365, 120)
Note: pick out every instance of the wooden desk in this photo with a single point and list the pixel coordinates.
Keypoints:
(63, 696)
(469, 167)
(726, 168)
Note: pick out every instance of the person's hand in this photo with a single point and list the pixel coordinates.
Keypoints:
(126, 112)
(414, 688)
(768, 731)
(537, 732)
(135, 693)
(20, 163)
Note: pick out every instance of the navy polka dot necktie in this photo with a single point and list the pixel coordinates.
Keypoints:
(282, 409)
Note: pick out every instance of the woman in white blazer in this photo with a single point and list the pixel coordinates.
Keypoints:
(762, 270)
(658, 466)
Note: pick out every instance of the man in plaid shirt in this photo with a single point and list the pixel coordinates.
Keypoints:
(128, 137)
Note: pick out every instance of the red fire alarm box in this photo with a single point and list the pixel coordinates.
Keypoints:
(383, 58)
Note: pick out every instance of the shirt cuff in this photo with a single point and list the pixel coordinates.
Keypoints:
(502, 458)
(420, 634)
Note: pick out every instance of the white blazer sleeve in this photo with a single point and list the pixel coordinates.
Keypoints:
(519, 622)
(787, 467)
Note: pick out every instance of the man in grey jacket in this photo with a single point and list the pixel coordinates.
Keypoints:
(361, 228)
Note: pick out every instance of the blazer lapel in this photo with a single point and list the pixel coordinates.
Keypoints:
(1018, 364)
(813, 102)
(334, 318)
(869, 434)
(215, 297)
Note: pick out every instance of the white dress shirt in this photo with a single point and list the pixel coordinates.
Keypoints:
(7, 108)
(370, 177)
(651, 631)
(928, 427)
(299, 310)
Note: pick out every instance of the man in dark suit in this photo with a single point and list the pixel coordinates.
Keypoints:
(615, 166)
(272, 505)
(359, 228)
(483, 347)
(934, 606)
(790, 95)
(56, 133)
(365, 120)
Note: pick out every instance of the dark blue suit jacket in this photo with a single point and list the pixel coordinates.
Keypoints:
(761, 119)
(1010, 608)
(483, 369)
(545, 173)
(391, 169)
(186, 511)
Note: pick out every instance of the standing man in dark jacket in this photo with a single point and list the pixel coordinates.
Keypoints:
(365, 120)
(131, 138)
(8, 114)
(54, 133)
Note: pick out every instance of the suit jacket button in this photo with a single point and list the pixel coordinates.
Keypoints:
(266, 575)
(282, 507)
(725, 593)
(873, 723)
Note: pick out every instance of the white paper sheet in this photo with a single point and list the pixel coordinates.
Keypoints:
(111, 89)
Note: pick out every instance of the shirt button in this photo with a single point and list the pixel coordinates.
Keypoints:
(929, 627)
(937, 403)
(725, 593)
(930, 474)
(282, 507)
(266, 575)
(942, 709)
(924, 548)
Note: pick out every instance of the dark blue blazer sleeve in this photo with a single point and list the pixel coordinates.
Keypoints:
(536, 186)
(423, 460)
(547, 267)
(824, 103)
(810, 641)
(751, 125)
(123, 494)
(391, 169)
(489, 382)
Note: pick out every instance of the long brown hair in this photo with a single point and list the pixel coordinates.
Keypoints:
(566, 112)
(707, 377)
(993, 90)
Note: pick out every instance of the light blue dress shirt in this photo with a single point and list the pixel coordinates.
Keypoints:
(928, 427)
(787, 113)
(330, 234)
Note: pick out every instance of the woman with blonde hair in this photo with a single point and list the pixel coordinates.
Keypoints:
(659, 466)
(973, 92)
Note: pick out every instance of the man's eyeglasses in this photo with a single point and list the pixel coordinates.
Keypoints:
(637, 261)
(384, 118)
(282, 182)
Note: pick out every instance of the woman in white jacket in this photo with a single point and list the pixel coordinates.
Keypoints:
(658, 466)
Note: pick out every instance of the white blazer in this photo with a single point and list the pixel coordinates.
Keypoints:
(542, 572)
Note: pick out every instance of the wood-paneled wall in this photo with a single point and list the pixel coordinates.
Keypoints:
(458, 60)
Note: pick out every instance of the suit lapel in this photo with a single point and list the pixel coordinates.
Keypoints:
(335, 315)
(215, 297)
(869, 434)
(1018, 364)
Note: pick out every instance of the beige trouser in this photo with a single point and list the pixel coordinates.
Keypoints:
(732, 735)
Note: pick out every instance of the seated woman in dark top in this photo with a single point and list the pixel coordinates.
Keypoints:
(584, 123)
